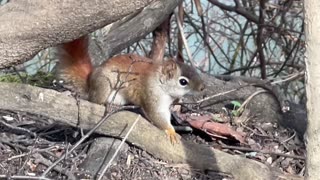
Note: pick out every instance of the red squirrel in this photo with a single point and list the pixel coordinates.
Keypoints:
(151, 85)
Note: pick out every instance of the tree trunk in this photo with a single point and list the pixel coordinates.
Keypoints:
(30, 26)
(312, 24)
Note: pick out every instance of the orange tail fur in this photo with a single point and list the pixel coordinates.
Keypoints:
(75, 64)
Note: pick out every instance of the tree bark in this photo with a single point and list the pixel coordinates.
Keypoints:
(312, 24)
(160, 38)
(124, 33)
(30, 26)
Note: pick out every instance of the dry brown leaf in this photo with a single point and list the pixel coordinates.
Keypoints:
(203, 123)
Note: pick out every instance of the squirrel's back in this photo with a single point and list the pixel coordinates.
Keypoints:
(126, 74)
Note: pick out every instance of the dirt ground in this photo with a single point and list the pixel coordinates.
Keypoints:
(29, 144)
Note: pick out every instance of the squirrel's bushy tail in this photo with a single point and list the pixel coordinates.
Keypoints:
(75, 65)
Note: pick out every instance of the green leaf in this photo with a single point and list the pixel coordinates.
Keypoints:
(236, 103)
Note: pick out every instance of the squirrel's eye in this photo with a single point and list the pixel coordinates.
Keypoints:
(183, 81)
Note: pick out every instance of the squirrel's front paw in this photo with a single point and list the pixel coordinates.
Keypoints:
(173, 136)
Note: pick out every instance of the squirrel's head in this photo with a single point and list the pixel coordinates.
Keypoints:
(178, 79)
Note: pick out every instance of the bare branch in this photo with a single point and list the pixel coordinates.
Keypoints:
(238, 9)
(260, 40)
(160, 37)
(124, 33)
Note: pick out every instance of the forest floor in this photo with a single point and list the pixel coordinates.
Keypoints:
(29, 144)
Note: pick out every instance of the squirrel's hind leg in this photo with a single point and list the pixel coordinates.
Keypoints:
(100, 87)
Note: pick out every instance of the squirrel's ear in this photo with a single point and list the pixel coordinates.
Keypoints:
(169, 68)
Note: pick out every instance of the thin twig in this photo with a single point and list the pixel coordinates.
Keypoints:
(23, 177)
(84, 138)
(118, 149)
(249, 99)
(261, 151)
(223, 93)
(216, 95)
(291, 137)
(39, 159)
(16, 130)
(32, 152)
(289, 78)
(184, 40)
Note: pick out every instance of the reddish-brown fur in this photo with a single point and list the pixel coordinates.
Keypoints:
(80, 63)
(136, 79)
(75, 64)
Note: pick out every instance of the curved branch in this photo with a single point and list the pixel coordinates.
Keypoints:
(124, 33)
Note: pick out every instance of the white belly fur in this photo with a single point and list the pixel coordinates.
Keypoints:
(164, 107)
